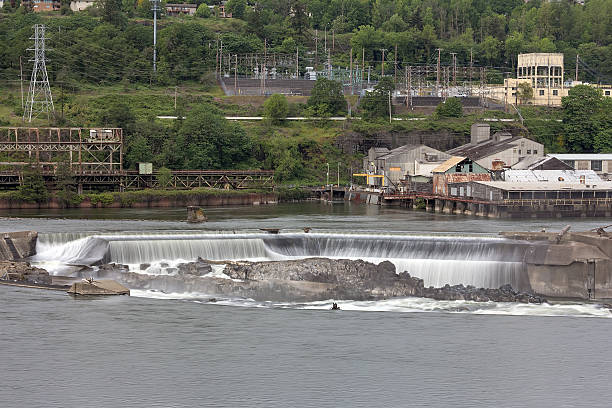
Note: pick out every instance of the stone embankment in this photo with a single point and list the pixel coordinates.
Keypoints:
(307, 280)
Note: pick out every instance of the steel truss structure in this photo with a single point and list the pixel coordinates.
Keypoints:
(91, 151)
(220, 179)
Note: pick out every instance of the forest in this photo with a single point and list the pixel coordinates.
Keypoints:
(100, 68)
(112, 41)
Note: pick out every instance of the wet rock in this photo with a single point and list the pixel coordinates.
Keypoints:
(307, 280)
(144, 266)
(197, 268)
(23, 272)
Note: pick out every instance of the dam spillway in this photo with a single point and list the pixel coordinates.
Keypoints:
(480, 261)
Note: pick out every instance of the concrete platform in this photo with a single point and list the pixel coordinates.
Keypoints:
(96, 288)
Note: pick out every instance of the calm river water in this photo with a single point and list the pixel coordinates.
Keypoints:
(158, 350)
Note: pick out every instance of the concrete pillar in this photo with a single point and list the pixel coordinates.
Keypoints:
(429, 206)
(493, 211)
(438, 205)
(481, 211)
(459, 208)
(448, 207)
(471, 209)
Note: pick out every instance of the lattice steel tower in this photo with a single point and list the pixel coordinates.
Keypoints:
(39, 95)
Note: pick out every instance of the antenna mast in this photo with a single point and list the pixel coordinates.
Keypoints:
(155, 9)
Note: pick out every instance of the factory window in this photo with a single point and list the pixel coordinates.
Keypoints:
(596, 165)
(520, 151)
(555, 92)
(513, 93)
(535, 151)
(541, 92)
(528, 151)
(607, 93)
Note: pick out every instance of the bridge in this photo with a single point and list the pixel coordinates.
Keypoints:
(95, 158)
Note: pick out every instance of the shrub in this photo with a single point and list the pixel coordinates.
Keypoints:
(451, 108)
(276, 108)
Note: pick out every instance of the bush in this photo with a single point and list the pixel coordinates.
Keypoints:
(451, 108)
(327, 97)
(276, 108)
(164, 177)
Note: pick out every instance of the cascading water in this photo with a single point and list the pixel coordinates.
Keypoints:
(478, 261)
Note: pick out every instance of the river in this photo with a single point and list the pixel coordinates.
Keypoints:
(179, 350)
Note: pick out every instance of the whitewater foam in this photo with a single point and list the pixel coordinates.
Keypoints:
(402, 305)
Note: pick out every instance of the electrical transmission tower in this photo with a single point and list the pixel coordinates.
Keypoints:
(39, 95)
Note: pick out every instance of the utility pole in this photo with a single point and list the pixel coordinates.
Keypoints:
(454, 54)
(395, 66)
(155, 9)
(217, 59)
(438, 72)
(39, 82)
(327, 182)
(338, 174)
(351, 72)
(471, 67)
(362, 64)
(235, 73)
(175, 92)
(326, 39)
(389, 106)
(316, 50)
(21, 80)
(576, 67)
(329, 66)
(297, 62)
(382, 72)
(333, 40)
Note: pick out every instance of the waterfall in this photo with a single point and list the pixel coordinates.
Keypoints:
(438, 260)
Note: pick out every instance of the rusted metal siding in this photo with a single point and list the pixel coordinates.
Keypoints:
(441, 181)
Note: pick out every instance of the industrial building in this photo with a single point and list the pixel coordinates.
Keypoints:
(397, 164)
(499, 150)
(600, 163)
(544, 73)
(457, 170)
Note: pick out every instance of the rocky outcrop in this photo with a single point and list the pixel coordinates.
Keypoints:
(308, 280)
(23, 272)
(17, 245)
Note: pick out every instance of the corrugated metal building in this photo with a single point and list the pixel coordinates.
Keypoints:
(457, 169)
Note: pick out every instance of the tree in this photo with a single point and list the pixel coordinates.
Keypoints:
(327, 97)
(451, 108)
(206, 140)
(164, 177)
(524, 92)
(117, 113)
(32, 189)
(276, 108)
(203, 11)
(582, 117)
(66, 191)
(111, 12)
(376, 103)
(236, 7)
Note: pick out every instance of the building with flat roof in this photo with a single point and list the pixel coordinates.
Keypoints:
(600, 163)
